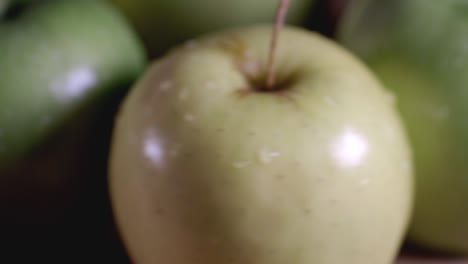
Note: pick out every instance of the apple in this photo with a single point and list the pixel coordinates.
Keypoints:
(64, 65)
(210, 165)
(164, 23)
(54, 63)
(419, 51)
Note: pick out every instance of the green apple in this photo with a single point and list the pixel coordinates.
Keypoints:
(56, 57)
(163, 23)
(420, 51)
(209, 167)
(63, 66)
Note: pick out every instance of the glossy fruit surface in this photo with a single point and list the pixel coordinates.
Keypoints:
(206, 168)
(419, 50)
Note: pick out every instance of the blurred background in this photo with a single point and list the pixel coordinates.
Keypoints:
(53, 193)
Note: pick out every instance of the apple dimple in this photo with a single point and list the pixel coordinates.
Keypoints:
(258, 84)
(253, 68)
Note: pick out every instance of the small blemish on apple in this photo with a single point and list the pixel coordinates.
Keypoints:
(164, 86)
(175, 150)
(243, 92)
(442, 113)
(330, 101)
(266, 156)
(191, 44)
(250, 67)
(364, 181)
(241, 164)
(211, 85)
(234, 45)
(183, 94)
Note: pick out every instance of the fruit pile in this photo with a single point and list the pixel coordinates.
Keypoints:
(249, 132)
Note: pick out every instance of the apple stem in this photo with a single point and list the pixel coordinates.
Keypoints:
(279, 22)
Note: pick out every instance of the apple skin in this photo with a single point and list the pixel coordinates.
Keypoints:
(206, 169)
(54, 62)
(419, 52)
(164, 23)
(64, 67)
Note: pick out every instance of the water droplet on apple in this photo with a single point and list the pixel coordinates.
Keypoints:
(330, 101)
(364, 181)
(266, 156)
(164, 86)
(280, 177)
(189, 117)
(241, 164)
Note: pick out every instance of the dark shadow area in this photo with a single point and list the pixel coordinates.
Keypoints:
(55, 207)
(412, 250)
(325, 15)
